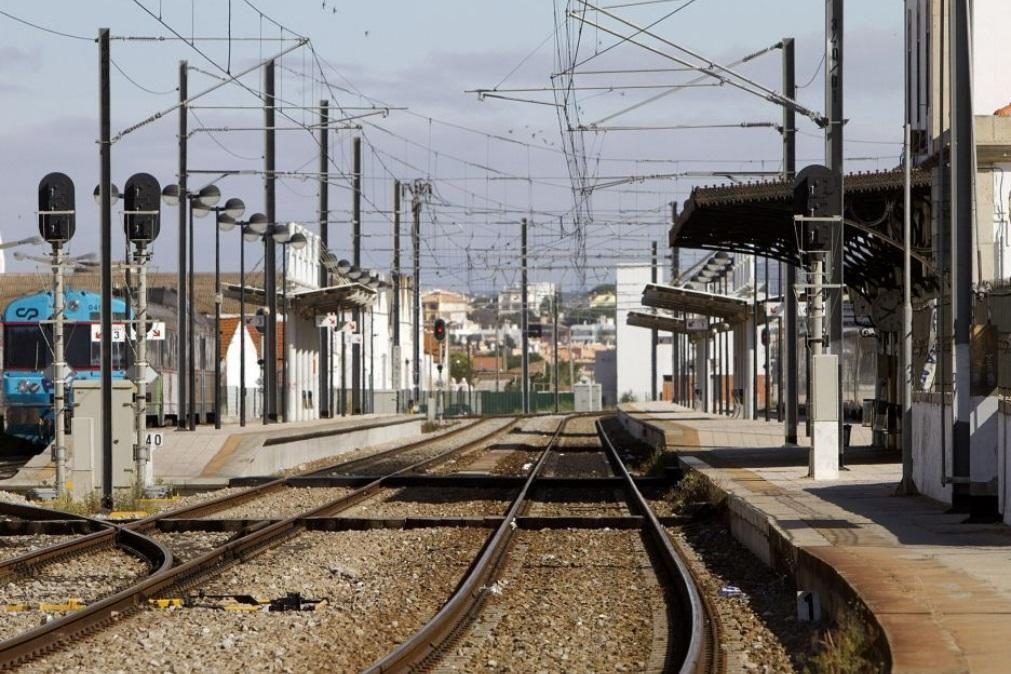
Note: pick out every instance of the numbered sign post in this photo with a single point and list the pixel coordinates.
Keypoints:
(154, 440)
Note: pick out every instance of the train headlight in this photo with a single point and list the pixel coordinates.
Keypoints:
(34, 387)
(24, 386)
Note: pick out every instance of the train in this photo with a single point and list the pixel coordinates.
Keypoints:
(27, 386)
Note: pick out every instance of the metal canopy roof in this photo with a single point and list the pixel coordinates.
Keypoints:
(310, 303)
(699, 302)
(757, 218)
(639, 319)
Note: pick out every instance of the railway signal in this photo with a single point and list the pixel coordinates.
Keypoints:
(439, 330)
(56, 208)
(142, 215)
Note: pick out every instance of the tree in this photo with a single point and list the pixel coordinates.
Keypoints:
(460, 367)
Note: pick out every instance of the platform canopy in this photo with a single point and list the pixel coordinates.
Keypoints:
(311, 303)
(757, 218)
(640, 319)
(682, 300)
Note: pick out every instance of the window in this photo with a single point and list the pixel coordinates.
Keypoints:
(28, 347)
(83, 354)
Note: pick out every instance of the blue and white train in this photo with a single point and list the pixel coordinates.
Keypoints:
(28, 358)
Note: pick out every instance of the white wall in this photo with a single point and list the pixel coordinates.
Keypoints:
(635, 344)
(233, 360)
(991, 56)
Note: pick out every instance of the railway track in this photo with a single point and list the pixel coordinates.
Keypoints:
(397, 546)
(140, 537)
(462, 635)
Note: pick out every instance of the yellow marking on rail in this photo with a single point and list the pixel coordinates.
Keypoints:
(127, 514)
(166, 603)
(72, 604)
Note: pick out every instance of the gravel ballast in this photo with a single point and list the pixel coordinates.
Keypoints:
(383, 465)
(15, 546)
(281, 503)
(568, 601)
(187, 545)
(433, 502)
(87, 577)
(380, 586)
(759, 628)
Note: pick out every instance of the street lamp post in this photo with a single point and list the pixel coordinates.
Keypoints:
(285, 235)
(198, 204)
(233, 208)
(252, 230)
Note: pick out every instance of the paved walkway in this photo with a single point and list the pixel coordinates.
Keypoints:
(209, 457)
(940, 589)
(205, 452)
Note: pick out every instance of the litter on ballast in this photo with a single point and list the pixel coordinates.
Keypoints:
(731, 591)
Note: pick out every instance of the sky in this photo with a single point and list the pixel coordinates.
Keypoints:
(415, 66)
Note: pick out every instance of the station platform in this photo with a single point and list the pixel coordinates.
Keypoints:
(207, 457)
(939, 589)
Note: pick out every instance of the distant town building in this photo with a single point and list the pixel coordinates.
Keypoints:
(446, 304)
(510, 300)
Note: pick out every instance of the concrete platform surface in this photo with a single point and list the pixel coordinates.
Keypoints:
(940, 589)
(210, 457)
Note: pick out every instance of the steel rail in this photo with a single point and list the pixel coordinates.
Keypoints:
(355, 464)
(108, 534)
(107, 531)
(698, 650)
(428, 640)
(50, 636)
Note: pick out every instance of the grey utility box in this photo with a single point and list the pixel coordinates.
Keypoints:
(587, 397)
(85, 469)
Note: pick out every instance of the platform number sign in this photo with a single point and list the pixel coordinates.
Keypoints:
(154, 440)
(808, 607)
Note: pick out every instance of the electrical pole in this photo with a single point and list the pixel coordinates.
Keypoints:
(554, 306)
(59, 372)
(419, 191)
(356, 248)
(790, 307)
(654, 334)
(395, 369)
(676, 340)
(907, 486)
(325, 333)
(105, 238)
(969, 489)
(140, 369)
(767, 339)
(834, 44)
(269, 251)
(523, 320)
(181, 297)
(755, 337)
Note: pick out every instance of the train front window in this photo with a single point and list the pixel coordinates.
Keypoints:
(83, 354)
(27, 347)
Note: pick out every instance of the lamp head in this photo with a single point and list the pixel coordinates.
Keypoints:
(298, 241)
(257, 224)
(113, 193)
(235, 207)
(170, 195)
(208, 196)
(343, 267)
(226, 223)
(281, 233)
